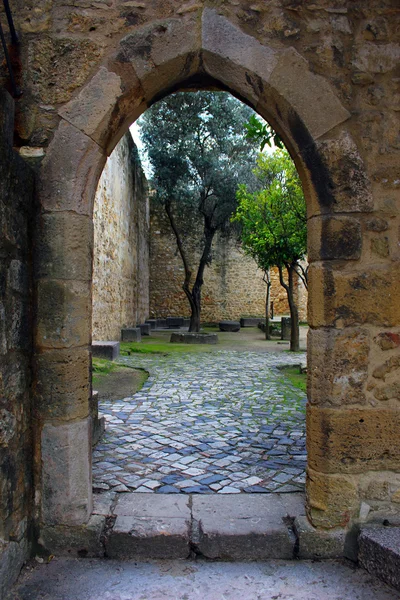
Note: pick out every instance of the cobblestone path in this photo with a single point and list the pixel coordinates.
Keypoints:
(224, 422)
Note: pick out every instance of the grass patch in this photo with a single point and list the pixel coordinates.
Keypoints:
(157, 346)
(297, 379)
(102, 366)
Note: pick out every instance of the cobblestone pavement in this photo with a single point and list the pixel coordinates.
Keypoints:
(223, 422)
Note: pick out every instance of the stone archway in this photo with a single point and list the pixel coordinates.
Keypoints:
(349, 441)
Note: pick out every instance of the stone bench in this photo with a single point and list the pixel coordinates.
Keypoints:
(151, 322)
(131, 334)
(286, 325)
(175, 322)
(194, 338)
(145, 328)
(161, 323)
(229, 326)
(108, 350)
(250, 321)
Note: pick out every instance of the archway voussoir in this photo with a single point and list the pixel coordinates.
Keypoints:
(310, 95)
(70, 171)
(163, 53)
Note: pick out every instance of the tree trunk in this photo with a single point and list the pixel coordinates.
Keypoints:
(196, 290)
(267, 280)
(196, 309)
(294, 313)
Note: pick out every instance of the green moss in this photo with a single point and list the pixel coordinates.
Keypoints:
(297, 379)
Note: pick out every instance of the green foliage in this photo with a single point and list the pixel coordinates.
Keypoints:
(273, 220)
(198, 153)
(262, 133)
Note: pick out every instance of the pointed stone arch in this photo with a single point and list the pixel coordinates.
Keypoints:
(153, 61)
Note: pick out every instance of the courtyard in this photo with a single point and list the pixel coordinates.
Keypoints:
(220, 421)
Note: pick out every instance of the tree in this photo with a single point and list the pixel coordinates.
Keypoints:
(274, 226)
(195, 145)
(262, 133)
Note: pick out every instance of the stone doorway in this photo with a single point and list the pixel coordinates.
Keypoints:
(279, 84)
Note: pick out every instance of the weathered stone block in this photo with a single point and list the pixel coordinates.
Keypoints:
(170, 45)
(161, 323)
(175, 322)
(315, 543)
(91, 110)
(334, 238)
(338, 363)
(155, 527)
(108, 350)
(131, 334)
(352, 298)
(349, 184)
(345, 441)
(286, 328)
(332, 500)
(239, 528)
(12, 558)
(229, 326)
(64, 245)
(145, 328)
(292, 79)
(152, 323)
(194, 338)
(63, 318)
(249, 321)
(248, 60)
(70, 171)
(84, 541)
(67, 473)
(147, 537)
(379, 553)
(62, 388)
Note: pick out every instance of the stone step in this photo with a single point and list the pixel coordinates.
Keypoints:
(227, 527)
(108, 350)
(379, 553)
(233, 527)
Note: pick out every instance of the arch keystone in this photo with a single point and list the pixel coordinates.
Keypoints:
(162, 54)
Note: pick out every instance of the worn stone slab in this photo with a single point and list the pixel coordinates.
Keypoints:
(150, 526)
(108, 350)
(229, 326)
(131, 334)
(152, 323)
(175, 322)
(146, 505)
(379, 553)
(149, 537)
(161, 323)
(242, 527)
(250, 321)
(194, 338)
(145, 328)
(84, 541)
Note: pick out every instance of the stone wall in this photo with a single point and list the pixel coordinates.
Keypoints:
(233, 285)
(121, 247)
(16, 204)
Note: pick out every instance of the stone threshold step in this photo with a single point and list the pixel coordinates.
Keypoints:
(233, 527)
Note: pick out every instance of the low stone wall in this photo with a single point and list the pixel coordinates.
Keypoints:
(121, 244)
(16, 470)
(233, 285)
